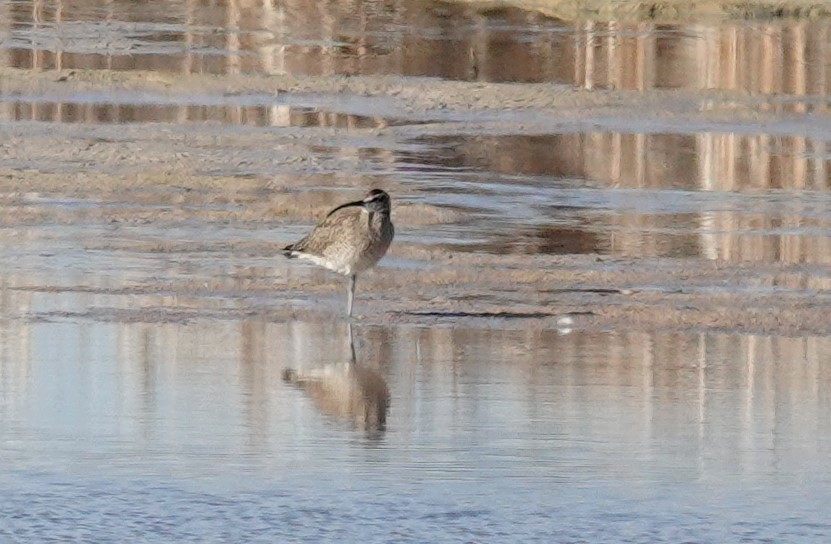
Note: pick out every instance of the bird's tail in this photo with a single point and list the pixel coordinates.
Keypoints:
(288, 251)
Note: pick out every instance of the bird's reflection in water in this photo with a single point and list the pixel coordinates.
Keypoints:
(346, 391)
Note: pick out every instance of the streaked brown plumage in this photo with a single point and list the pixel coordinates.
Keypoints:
(351, 238)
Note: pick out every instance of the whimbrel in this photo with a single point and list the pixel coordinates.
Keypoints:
(350, 239)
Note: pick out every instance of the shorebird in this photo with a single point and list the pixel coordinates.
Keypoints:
(350, 239)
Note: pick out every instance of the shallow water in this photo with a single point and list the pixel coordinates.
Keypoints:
(122, 419)
(161, 395)
(113, 431)
(655, 187)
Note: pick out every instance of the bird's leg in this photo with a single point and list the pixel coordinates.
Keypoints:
(351, 341)
(350, 294)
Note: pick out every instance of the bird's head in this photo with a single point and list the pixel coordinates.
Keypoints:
(377, 201)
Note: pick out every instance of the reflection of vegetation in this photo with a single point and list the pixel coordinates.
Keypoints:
(721, 75)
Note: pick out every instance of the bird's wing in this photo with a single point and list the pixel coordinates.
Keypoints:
(328, 231)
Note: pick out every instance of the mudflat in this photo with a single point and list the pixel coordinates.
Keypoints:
(249, 189)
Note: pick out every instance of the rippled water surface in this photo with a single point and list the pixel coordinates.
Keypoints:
(136, 415)
(118, 425)
(651, 187)
(192, 433)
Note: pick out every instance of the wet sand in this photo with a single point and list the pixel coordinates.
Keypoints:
(440, 107)
(251, 187)
(153, 177)
(561, 293)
